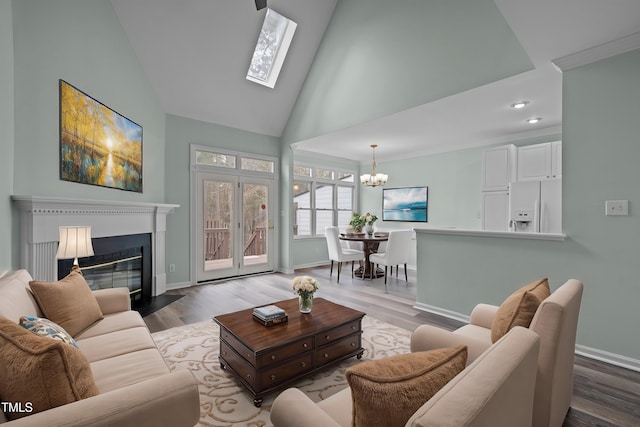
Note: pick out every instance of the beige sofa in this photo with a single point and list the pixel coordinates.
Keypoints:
(555, 321)
(135, 385)
(496, 390)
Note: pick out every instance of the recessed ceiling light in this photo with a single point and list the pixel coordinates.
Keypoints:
(519, 105)
(534, 120)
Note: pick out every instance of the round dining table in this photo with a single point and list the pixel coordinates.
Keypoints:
(370, 244)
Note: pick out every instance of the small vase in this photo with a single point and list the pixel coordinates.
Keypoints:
(369, 229)
(305, 303)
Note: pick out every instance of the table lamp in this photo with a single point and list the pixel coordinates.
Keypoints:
(75, 242)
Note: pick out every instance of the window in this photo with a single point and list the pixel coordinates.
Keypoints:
(321, 197)
(208, 158)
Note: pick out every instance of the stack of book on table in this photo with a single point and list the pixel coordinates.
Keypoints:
(269, 315)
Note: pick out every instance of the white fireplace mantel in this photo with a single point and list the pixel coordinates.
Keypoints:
(41, 217)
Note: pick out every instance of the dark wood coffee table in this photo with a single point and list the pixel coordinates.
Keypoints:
(265, 359)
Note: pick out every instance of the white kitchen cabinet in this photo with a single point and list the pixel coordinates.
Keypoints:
(495, 210)
(498, 167)
(540, 162)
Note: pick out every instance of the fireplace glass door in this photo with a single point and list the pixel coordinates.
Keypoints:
(234, 226)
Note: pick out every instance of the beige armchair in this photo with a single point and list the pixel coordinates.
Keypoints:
(496, 390)
(555, 322)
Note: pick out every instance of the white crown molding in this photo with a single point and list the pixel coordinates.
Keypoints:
(596, 53)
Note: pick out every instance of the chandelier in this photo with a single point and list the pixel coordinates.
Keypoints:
(374, 179)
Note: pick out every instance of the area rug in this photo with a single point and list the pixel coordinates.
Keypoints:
(223, 402)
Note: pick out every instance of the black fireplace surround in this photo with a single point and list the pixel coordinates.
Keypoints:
(136, 273)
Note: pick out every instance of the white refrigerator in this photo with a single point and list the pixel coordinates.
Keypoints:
(535, 206)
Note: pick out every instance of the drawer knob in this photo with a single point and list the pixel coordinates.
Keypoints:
(353, 344)
(249, 376)
(326, 356)
(353, 327)
(305, 345)
(302, 365)
(273, 377)
(326, 337)
(224, 353)
(273, 357)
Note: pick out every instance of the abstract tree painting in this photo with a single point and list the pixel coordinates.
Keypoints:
(97, 145)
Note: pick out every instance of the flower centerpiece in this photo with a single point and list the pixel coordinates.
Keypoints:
(305, 287)
(358, 222)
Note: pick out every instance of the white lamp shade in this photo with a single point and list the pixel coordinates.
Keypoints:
(75, 242)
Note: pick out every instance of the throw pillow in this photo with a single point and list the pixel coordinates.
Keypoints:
(46, 328)
(388, 391)
(44, 372)
(519, 308)
(68, 302)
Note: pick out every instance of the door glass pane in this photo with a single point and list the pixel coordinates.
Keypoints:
(254, 218)
(218, 209)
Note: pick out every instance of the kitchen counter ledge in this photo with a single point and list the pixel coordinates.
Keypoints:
(487, 233)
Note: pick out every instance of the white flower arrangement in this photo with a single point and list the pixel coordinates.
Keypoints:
(304, 285)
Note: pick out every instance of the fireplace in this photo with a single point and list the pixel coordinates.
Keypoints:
(41, 217)
(119, 261)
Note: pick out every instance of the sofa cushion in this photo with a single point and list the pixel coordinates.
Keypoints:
(128, 369)
(388, 391)
(67, 302)
(45, 372)
(112, 323)
(46, 328)
(17, 299)
(519, 308)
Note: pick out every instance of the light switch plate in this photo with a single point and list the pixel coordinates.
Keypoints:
(617, 207)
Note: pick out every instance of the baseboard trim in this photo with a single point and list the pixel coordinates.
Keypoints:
(582, 350)
(607, 357)
(173, 286)
(311, 265)
(449, 314)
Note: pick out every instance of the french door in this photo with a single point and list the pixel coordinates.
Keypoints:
(234, 229)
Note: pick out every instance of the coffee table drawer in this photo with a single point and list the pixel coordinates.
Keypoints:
(279, 354)
(238, 346)
(245, 371)
(287, 370)
(337, 333)
(337, 349)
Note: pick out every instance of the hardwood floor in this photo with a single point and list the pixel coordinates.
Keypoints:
(604, 395)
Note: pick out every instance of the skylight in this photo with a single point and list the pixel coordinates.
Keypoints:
(271, 49)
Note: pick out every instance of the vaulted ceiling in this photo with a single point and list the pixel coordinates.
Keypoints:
(196, 54)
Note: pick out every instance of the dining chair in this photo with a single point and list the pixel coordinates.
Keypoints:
(338, 253)
(396, 253)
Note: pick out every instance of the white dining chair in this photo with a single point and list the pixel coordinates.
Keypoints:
(338, 253)
(396, 253)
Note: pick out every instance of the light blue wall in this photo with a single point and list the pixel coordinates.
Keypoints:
(600, 155)
(81, 42)
(180, 133)
(379, 57)
(6, 134)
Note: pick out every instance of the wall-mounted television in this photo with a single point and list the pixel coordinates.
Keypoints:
(405, 204)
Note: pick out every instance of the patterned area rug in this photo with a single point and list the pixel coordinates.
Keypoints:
(223, 402)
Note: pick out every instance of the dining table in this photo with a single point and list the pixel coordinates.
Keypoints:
(370, 245)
